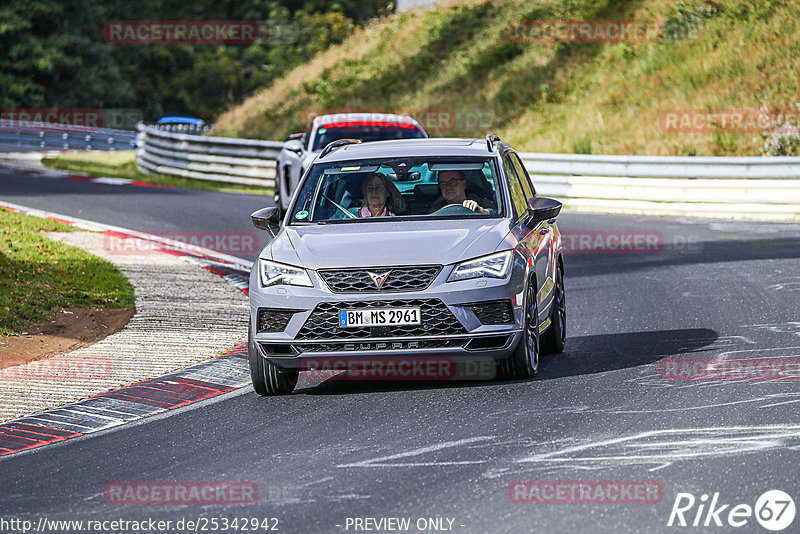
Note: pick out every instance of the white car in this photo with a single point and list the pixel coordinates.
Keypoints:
(301, 148)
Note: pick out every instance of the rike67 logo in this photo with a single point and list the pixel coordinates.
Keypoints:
(774, 510)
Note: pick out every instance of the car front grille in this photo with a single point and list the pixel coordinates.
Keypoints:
(416, 278)
(494, 312)
(273, 320)
(437, 320)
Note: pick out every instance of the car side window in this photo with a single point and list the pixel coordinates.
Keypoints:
(527, 185)
(518, 198)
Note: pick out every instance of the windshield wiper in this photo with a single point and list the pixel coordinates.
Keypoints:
(345, 211)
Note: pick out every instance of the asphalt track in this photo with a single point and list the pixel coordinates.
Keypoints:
(601, 411)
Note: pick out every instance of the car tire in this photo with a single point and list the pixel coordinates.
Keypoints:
(524, 361)
(554, 338)
(268, 379)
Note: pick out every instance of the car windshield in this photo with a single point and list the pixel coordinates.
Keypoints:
(399, 189)
(365, 132)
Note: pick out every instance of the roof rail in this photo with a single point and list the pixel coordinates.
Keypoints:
(335, 144)
(491, 138)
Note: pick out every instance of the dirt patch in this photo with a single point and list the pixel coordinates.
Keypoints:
(73, 328)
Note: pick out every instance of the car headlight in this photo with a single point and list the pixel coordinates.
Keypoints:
(274, 274)
(495, 265)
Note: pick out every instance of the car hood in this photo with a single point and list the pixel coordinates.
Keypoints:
(369, 244)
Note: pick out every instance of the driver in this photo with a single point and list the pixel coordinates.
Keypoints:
(453, 186)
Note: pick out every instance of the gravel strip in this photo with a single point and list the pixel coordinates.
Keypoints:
(184, 314)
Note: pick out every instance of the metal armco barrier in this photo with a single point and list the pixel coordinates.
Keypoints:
(663, 166)
(221, 159)
(731, 187)
(752, 187)
(48, 136)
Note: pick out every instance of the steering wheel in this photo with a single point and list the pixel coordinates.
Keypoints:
(452, 209)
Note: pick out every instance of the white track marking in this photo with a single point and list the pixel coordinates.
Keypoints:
(664, 447)
(383, 461)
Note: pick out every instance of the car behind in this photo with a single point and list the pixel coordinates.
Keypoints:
(301, 148)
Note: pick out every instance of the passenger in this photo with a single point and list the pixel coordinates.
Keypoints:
(453, 186)
(381, 197)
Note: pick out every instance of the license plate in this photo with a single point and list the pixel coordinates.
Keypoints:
(379, 317)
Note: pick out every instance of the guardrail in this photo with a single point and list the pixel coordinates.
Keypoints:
(738, 187)
(747, 167)
(757, 187)
(221, 159)
(48, 136)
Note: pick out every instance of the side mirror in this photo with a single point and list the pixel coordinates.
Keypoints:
(542, 209)
(294, 145)
(267, 219)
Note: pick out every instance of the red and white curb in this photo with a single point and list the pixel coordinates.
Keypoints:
(202, 381)
(234, 270)
(56, 174)
(192, 384)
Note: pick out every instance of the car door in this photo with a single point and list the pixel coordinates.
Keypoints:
(533, 242)
(545, 261)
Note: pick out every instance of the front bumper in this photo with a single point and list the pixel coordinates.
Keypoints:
(455, 330)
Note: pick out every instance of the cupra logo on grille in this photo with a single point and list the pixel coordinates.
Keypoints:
(379, 279)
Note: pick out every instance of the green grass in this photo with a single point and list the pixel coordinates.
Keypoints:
(122, 164)
(39, 277)
(543, 97)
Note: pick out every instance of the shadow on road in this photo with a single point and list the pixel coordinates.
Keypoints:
(584, 355)
(611, 352)
(705, 252)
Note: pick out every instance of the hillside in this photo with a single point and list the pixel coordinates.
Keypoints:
(459, 62)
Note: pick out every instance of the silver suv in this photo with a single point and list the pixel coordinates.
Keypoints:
(413, 251)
